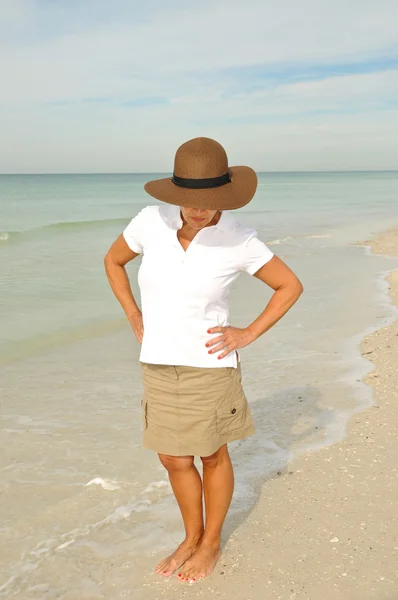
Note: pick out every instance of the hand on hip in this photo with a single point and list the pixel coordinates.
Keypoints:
(230, 339)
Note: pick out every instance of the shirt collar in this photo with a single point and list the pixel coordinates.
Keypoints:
(172, 215)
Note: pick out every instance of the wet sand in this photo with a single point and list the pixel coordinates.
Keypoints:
(327, 526)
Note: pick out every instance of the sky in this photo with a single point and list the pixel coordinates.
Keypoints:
(116, 86)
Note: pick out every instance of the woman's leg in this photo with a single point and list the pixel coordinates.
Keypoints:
(187, 487)
(218, 483)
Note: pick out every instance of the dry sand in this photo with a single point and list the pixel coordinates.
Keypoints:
(327, 527)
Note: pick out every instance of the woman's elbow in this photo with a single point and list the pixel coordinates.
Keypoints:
(108, 259)
(298, 288)
(293, 287)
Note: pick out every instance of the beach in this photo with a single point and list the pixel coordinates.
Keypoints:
(284, 118)
(326, 526)
(86, 511)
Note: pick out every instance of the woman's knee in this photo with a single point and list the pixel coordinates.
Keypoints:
(176, 463)
(216, 458)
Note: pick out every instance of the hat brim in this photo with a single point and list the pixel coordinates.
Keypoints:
(235, 194)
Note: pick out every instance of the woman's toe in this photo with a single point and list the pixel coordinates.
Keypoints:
(190, 575)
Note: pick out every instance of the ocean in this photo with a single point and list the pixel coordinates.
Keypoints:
(83, 505)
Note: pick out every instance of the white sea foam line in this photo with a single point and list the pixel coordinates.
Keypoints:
(368, 250)
(318, 235)
(6, 585)
(352, 344)
(156, 485)
(43, 548)
(355, 377)
(279, 241)
(106, 484)
(65, 545)
(284, 240)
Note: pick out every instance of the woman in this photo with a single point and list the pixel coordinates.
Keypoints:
(193, 402)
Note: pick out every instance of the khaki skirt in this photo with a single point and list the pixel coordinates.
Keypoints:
(191, 411)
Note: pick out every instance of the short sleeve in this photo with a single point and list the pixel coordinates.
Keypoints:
(135, 232)
(255, 254)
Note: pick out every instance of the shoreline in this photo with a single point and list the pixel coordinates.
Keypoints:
(326, 525)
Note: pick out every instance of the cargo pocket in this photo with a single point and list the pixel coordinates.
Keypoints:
(231, 414)
(144, 411)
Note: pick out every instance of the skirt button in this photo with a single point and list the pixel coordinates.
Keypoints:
(233, 411)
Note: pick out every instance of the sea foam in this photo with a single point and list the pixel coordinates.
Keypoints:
(106, 484)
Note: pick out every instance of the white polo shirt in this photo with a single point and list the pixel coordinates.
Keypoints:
(184, 293)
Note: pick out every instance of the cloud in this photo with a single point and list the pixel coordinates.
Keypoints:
(115, 72)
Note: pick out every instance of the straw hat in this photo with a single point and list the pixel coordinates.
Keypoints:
(202, 179)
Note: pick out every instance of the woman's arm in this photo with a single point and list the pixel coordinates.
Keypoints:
(288, 288)
(118, 255)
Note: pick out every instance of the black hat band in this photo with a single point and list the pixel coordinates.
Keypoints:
(201, 184)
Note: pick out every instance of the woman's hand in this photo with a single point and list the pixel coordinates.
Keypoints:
(135, 320)
(231, 339)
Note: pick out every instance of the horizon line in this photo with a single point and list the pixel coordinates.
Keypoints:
(329, 171)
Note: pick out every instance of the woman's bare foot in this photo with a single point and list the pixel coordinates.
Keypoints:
(201, 564)
(173, 562)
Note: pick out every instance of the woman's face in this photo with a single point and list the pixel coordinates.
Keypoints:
(197, 218)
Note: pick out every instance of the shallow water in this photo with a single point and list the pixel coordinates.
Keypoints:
(78, 493)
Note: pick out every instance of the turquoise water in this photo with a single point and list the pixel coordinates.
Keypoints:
(55, 229)
(70, 382)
